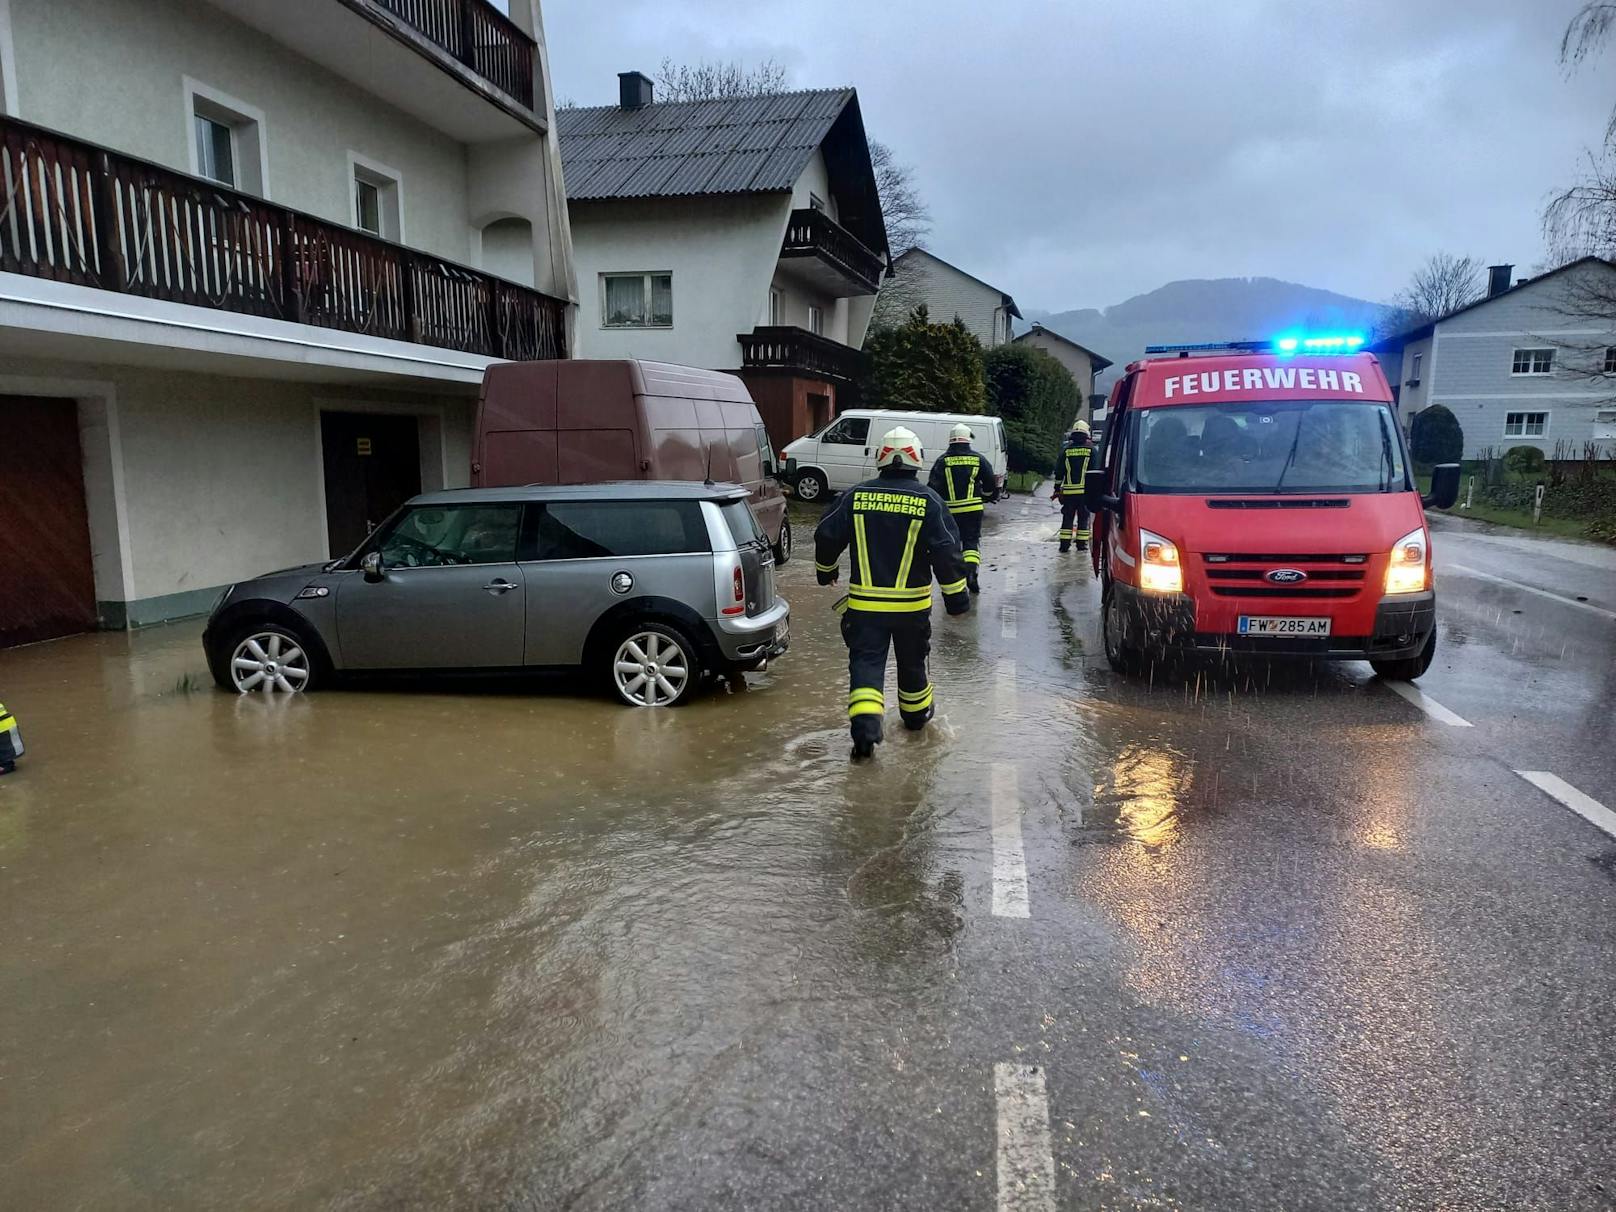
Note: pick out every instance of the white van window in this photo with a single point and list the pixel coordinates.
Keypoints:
(848, 431)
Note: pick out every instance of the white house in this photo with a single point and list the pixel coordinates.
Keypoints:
(253, 260)
(1529, 364)
(922, 277)
(742, 234)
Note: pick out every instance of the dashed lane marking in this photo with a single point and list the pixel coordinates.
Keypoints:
(1584, 806)
(1009, 580)
(1427, 704)
(1009, 856)
(1007, 622)
(1464, 570)
(1026, 1160)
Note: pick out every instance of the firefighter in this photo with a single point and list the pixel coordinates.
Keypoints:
(10, 741)
(965, 480)
(1073, 467)
(897, 532)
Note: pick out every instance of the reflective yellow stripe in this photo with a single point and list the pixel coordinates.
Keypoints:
(891, 607)
(954, 586)
(889, 591)
(1064, 534)
(916, 704)
(863, 549)
(865, 694)
(865, 709)
(1081, 534)
(7, 723)
(824, 567)
(908, 555)
(966, 507)
(973, 557)
(909, 696)
(970, 489)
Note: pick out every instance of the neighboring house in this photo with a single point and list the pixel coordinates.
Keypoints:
(253, 260)
(1083, 364)
(741, 234)
(920, 277)
(1523, 366)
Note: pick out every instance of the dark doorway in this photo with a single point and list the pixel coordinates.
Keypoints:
(818, 412)
(372, 466)
(48, 586)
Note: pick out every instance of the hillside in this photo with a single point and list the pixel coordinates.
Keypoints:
(1220, 309)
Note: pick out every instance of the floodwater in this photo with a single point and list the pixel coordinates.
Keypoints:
(1275, 937)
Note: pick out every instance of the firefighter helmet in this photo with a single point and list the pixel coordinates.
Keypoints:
(899, 448)
(1081, 427)
(960, 433)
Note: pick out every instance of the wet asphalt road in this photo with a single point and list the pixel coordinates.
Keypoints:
(1279, 939)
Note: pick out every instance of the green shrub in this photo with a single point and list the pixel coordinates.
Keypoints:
(1037, 397)
(1437, 436)
(924, 367)
(1524, 460)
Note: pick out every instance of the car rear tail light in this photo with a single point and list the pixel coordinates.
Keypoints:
(737, 589)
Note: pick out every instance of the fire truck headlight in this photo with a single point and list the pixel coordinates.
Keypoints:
(1159, 567)
(1409, 569)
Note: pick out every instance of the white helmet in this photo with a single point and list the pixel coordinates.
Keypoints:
(1080, 426)
(899, 448)
(960, 433)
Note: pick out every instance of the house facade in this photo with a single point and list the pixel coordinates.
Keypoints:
(1530, 364)
(921, 277)
(741, 234)
(1082, 363)
(253, 261)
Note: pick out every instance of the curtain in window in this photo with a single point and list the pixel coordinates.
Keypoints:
(662, 299)
(625, 300)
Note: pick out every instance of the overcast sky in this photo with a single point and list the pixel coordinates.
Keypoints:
(1077, 153)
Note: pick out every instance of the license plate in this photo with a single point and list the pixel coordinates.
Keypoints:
(1278, 624)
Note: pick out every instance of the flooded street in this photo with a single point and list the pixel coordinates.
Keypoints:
(1276, 938)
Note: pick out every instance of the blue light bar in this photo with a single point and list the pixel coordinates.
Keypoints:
(1318, 343)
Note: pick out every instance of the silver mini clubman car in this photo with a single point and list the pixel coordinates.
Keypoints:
(653, 586)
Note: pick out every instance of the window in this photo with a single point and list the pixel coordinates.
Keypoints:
(637, 300)
(849, 431)
(591, 530)
(1414, 373)
(1532, 362)
(816, 320)
(1610, 359)
(775, 308)
(1526, 424)
(215, 151)
(226, 138)
(440, 536)
(375, 198)
(743, 524)
(765, 451)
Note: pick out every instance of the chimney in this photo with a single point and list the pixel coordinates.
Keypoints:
(1498, 279)
(634, 92)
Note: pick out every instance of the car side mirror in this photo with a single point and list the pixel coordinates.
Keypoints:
(1444, 486)
(1095, 497)
(371, 565)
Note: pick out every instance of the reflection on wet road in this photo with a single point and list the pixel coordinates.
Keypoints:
(1261, 937)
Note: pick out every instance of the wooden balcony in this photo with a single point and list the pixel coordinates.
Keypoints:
(828, 256)
(798, 351)
(478, 35)
(73, 212)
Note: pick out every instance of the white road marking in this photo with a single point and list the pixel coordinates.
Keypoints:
(1584, 806)
(1009, 580)
(1026, 1159)
(1427, 704)
(1004, 687)
(1464, 570)
(1007, 622)
(1009, 857)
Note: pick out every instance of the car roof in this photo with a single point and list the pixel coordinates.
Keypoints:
(611, 490)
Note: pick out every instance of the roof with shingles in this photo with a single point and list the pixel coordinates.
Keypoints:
(737, 145)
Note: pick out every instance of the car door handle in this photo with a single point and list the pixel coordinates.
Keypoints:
(499, 586)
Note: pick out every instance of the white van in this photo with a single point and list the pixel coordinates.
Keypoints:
(843, 453)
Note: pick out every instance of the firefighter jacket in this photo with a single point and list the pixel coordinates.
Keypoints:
(963, 478)
(1074, 465)
(898, 533)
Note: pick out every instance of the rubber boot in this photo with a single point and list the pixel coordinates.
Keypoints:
(1066, 544)
(866, 736)
(918, 720)
(971, 583)
(1082, 544)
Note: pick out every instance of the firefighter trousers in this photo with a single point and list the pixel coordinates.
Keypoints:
(868, 636)
(1074, 522)
(970, 532)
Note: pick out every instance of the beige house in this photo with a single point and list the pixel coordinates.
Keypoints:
(1083, 364)
(947, 291)
(253, 260)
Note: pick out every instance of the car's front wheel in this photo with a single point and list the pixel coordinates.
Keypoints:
(1409, 668)
(654, 665)
(811, 486)
(270, 658)
(1119, 654)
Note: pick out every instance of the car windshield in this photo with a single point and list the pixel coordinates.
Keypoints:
(1269, 447)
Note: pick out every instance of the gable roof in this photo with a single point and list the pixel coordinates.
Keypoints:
(1099, 363)
(1009, 302)
(1420, 331)
(731, 145)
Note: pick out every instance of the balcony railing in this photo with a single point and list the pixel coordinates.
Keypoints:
(799, 351)
(478, 35)
(74, 212)
(813, 233)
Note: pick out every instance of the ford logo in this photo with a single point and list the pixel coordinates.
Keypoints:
(1286, 576)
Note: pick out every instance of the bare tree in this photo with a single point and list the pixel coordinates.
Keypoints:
(1444, 283)
(1581, 218)
(908, 218)
(714, 80)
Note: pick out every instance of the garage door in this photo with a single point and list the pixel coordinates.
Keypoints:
(49, 584)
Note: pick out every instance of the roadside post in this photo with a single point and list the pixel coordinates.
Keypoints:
(1537, 504)
(1470, 493)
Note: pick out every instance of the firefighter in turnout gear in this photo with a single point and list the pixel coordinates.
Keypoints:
(897, 534)
(1070, 473)
(965, 481)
